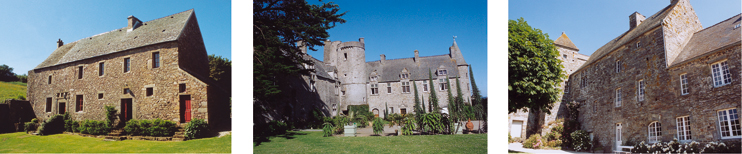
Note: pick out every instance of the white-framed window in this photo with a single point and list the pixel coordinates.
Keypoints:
(374, 78)
(721, 75)
(442, 72)
(334, 108)
(729, 124)
(101, 69)
(425, 86)
(640, 90)
(655, 131)
(618, 66)
(683, 128)
(312, 86)
(405, 87)
(443, 84)
(618, 97)
(684, 84)
(405, 76)
(374, 89)
(583, 81)
(618, 132)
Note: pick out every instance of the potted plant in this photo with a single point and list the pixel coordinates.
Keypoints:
(350, 127)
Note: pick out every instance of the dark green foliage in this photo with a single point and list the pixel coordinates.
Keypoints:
(6, 74)
(277, 127)
(29, 126)
(34, 120)
(378, 126)
(278, 26)
(94, 127)
(570, 123)
(220, 69)
(386, 113)
(328, 129)
(534, 71)
(581, 141)
(408, 125)
(157, 127)
(432, 122)
(22, 78)
(110, 115)
(475, 91)
(418, 108)
(433, 97)
(197, 128)
(53, 125)
(316, 119)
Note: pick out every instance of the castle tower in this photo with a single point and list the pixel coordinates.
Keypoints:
(351, 64)
(463, 69)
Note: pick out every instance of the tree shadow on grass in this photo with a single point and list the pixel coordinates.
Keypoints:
(258, 140)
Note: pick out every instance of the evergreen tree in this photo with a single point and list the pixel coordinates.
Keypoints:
(418, 109)
(475, 90)
(459, 94)
(423, 104)
(433, 96)
(450, 96)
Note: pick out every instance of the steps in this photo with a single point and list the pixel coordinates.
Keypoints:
(180, 134)
(115, 135)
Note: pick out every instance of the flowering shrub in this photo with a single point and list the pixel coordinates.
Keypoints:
(581, 141)
(532, 142)
(693, 147)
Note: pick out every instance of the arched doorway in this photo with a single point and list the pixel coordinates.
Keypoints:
(376, 112)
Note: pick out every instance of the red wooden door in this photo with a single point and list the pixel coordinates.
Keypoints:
(126, 109)
(62, 108)
(187, 110)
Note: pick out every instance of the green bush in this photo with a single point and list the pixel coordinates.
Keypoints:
(34, 120)
(29, 126)
(277, 127)
(53, 125)
(110, 115)
(94, 127)
(378, 126)
(71, 125)
(409, 125)
(581, 141)
(157, 127)
(532, 142)
(432, 121)
(197, 128)
(327, 129)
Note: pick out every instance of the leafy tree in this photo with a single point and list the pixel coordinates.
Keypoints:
(6, 73)
(433, 96)
(277, 26)
(534, 71)
(22, 78)
(220, 69)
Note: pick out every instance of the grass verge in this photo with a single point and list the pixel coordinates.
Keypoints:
(313, 142)
(63, 143)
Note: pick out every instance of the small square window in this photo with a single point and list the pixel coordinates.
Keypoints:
(127, 65)
(126, 91)
(100, 95)
(79, 72)
(182, 87)
(150, 91)
(50, 79)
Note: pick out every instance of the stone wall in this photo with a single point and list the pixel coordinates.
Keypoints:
(398, 100)
(164, 80)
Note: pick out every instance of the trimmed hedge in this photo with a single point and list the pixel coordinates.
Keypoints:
(29, 126)
(197, 128)
(94, 127)
(53, 125)
(157, 127)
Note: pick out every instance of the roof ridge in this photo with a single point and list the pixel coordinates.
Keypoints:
(168, 15)
(718, 23)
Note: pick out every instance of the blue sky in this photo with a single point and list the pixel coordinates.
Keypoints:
(30, 29)
(590, 24)
(398, 28)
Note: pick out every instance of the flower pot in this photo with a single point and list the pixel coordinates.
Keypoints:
(350, 130)
(469, 126)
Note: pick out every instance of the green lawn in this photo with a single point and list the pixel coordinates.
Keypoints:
(64, 143)
(313, 142)
(10, 90)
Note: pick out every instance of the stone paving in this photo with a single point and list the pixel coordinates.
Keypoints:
(519, 147)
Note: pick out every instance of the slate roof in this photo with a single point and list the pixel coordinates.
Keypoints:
(717, 36)
(392, 68)
(320, 69)
(564, 41)
(648, 24)
(164, 29)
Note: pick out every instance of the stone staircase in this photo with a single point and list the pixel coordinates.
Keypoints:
(116, 135)
(180, 134)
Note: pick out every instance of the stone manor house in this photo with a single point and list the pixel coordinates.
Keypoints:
(345, 78)
(666, 77)
(146, 70)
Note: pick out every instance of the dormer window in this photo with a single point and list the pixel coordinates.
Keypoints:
(405, 76)
(442, 72)
(736, 26)
(374, 78)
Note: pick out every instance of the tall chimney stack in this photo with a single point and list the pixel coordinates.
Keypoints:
(133, 23)
(383, 58)
(417, 56)
(635, 19)
(60, 43)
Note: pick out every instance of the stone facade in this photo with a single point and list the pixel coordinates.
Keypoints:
(346, 78)
(84, 71)
(658, 73)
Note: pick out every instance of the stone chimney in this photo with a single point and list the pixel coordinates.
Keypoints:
(60, 43)
(133, 23)
(360, 40)
(417, 56)
(383, 58)
(635, 19)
